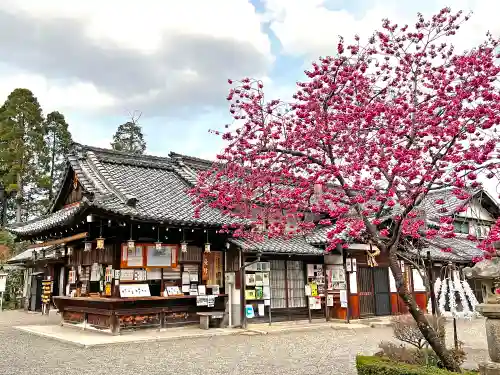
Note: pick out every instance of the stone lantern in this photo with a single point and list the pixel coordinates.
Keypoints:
(488, 273)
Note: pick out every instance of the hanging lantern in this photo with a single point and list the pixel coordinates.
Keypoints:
(207, 244)
(402, 265)
(69, 251)
(158, 243)
(184, 246)
(88, 245)
(100, 240)
(131, 244)
(100, 243)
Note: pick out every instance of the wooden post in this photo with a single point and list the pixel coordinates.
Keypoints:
(287, 305)
(347, 285)
(243, 317)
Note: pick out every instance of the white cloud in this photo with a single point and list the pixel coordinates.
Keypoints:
(312, 28)
(142, 25)
(53, 96)
(163, 57)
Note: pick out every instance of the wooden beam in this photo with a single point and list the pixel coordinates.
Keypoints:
(75, 237)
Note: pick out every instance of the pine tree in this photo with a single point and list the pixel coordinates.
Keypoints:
(129, 137)
(23, 156)
(58, 141)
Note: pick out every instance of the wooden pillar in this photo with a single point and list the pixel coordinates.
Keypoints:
(117, 254)
(347, 285)
(287, 305)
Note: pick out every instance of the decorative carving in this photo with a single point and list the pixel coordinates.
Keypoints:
(73, 316)
(75, 181)
(131, 321)
(101, 321)
(174, 318)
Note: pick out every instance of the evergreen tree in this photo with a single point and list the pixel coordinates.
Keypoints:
(6, 246)
(58, 141)
(129, 137)
(23, 156)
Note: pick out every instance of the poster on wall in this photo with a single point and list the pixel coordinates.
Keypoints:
(160, 257)
(134, 290)
(135, 258)
(338, 279)
(315, 303)
(343, 298)
(72, 277)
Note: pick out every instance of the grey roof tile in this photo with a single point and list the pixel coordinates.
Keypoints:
(27, 254)
(40, 224)
(141, 186)
(295, 245)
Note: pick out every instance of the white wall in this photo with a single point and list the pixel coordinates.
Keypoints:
(476, 211)
(418, 283)
(392, 282)
(353, 286)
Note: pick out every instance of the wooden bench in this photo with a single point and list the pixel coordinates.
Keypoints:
(206, 316)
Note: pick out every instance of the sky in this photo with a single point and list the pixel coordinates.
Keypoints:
(99, 61)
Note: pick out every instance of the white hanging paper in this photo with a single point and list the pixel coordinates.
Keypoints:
(261, 309)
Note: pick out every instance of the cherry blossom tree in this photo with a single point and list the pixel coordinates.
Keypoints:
(369, 134)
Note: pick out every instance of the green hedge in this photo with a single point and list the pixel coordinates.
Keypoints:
(382, 366)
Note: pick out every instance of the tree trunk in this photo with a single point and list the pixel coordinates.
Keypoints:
(427, 331)
(19, 198)
(52, 165)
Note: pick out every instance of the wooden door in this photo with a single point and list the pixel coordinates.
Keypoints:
(365, 292)
(382, 291)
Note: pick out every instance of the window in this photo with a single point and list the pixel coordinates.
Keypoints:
(461, 227)
(482, 230)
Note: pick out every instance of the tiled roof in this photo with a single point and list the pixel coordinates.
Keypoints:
(451, 205)
(318, 236)
(40, 224)
(27, 254)
(463, 250)
(141, 186)
(295, 245)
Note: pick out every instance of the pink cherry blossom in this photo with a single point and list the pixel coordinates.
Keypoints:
(370, 134)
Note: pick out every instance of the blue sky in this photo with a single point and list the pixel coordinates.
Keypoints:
(96, 62)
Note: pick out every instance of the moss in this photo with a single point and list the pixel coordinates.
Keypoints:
(371, 365)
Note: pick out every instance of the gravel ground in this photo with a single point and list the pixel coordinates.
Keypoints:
(329, 352)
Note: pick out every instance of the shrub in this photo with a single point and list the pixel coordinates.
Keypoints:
(400, 353)
(416, 356)
(375, 365)
(405, 329)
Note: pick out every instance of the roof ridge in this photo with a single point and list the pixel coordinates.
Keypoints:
(173, 154)
(100, 150)
(107, 180)
(185, 172)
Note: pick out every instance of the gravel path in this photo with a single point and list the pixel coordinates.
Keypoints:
(328, 352)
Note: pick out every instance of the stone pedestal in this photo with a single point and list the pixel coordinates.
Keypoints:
(489, 368)
(492, 314)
